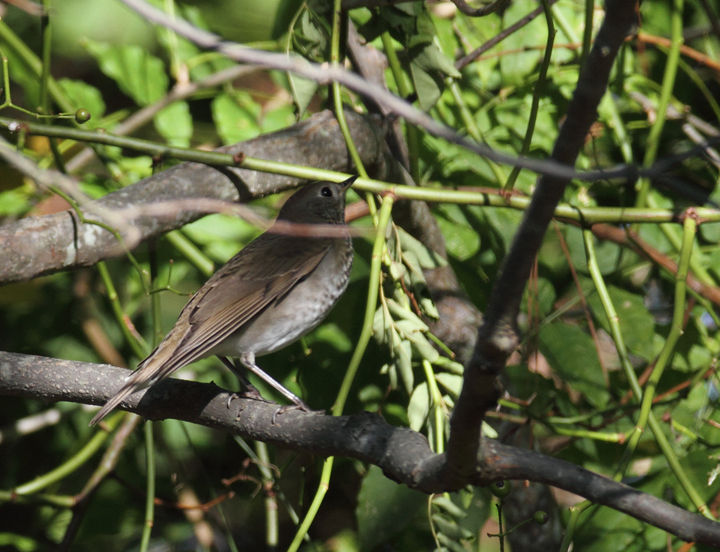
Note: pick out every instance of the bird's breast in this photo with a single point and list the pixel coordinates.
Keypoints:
(300, 311)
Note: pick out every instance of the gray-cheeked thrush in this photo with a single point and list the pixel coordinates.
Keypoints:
(274, 291)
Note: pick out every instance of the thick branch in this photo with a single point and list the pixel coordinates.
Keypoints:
(36, 246)
(403, 454)
(499, 336)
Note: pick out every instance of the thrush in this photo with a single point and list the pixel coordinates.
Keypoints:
(274, 291)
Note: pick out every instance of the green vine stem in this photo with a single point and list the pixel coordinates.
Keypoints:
(673, 235)
(338, 104)
(335, 59)
(28, 57)
(491, 198)
(488, 197)
(264, 466)
(676, 327)
(148, 428)
(191, 252)
(587, 32)
(609, 111)
(74, 463)
(654, 425)
(46, 31)
(315, 505)
(8, 37)
(472, 128)
(537, 93)
(138, 345)
(587, 434)
(671, 66)
(272, 528)
(149, 488)
(575, 512)
(437, 422)
(363, 340)
(370, 305)
(412, 133)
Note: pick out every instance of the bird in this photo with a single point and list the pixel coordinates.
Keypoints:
(271, 293)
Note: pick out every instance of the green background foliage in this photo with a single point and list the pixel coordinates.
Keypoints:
(566, 383)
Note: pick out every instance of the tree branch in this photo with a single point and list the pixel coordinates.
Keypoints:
(499, 335)
(36, 246)
(403, 454)
(324, 74)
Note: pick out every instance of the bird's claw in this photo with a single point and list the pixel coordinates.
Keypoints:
(297, 406)
(249, 393)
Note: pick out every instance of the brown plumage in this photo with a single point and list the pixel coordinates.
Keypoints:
(274, 291)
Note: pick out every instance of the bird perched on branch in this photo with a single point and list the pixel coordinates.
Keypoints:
(274, 291)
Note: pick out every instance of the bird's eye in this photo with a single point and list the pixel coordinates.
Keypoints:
(326, 192)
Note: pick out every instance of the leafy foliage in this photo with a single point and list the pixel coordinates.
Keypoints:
(589, 332)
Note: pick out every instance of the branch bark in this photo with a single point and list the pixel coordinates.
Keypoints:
(403, 454)
(36, 246)
(499, 335)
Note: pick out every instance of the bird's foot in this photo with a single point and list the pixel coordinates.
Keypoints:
(250, 392)
(300, 405)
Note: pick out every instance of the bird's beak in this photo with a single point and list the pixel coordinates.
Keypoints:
(347, 183)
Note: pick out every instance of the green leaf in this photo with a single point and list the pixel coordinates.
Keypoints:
(606, 253)
(20, 543)
(236, 117)
(383, 326)
(408, 322)
(461, 239)
(429, 67)
(710, 231)
(86, 96)
(381, 519)
(139, 74)
(419, 407)
(13, 202)
(430, 58)
(517, 66)
(543, 296)
(175, 124)
(303, 91)
(427, 258)
(571, 353)
(424, 349)
(637, 325)
(697, 465)
(402, 352)
(451, 382)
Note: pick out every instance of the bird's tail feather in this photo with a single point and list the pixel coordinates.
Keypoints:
(139, 379)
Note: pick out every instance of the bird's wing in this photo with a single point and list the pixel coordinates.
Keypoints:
(259, 275)
(262, 272)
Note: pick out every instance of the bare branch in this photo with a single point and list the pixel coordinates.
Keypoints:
(499, 336)
(146, 114)
(492, 7)
(472, 56)
(42, 245)
(403, 454)
(325, 74)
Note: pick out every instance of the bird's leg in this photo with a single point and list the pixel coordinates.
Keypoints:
(248, 389)
(248, 361)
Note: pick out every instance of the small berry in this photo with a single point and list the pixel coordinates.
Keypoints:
(500, 489)
(82, 115)
(540, 517)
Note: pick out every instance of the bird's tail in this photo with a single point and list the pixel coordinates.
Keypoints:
(163, 361)
(138, 380)
(147, 373)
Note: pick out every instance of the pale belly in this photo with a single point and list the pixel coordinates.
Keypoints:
(297, 314)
